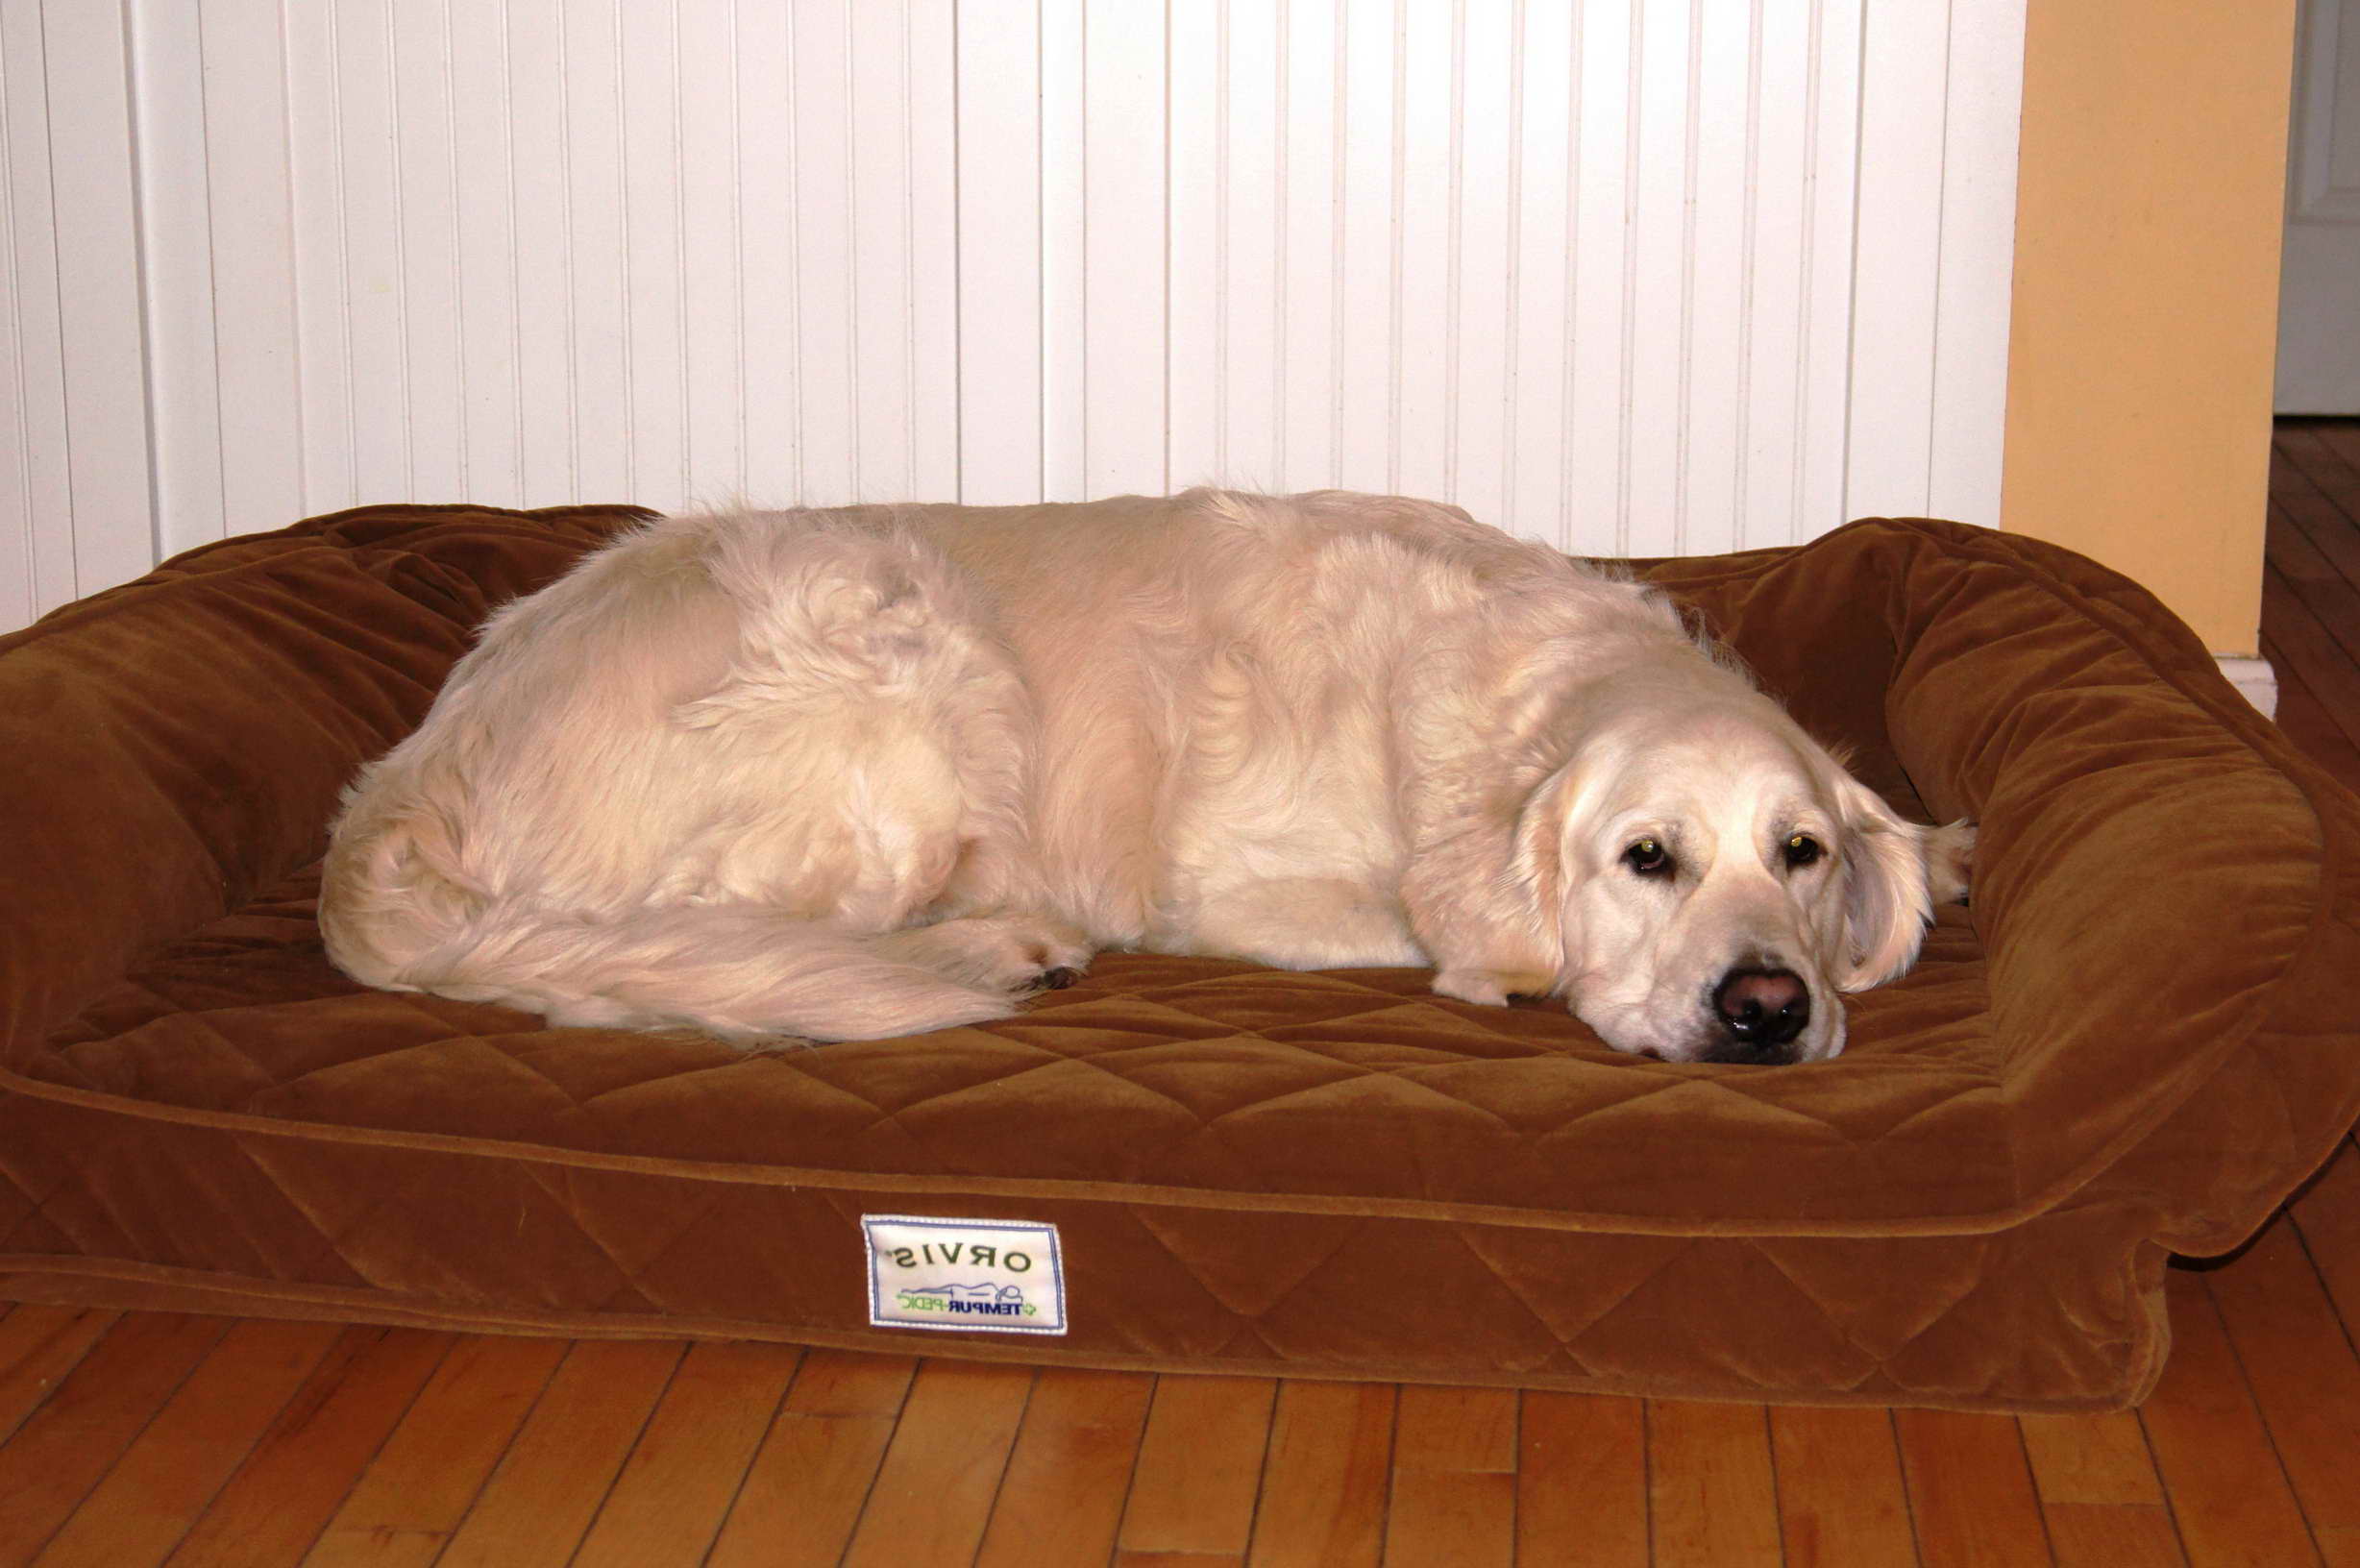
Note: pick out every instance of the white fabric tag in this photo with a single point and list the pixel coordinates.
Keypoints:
(1004, 1276)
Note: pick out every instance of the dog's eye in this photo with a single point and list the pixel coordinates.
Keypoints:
(1648, 858)
(1801, 850)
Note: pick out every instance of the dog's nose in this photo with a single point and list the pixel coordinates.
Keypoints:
(1762, 1008)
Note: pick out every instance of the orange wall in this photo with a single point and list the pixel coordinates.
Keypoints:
(2148, 202)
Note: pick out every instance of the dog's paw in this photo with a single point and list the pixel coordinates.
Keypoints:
(1012, 954)
(1055, 955)
(1491, 987)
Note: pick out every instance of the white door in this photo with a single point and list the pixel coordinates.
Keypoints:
(2318, 298)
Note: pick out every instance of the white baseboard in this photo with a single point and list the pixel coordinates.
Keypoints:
(2255, 678)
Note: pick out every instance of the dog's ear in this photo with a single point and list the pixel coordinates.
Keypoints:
(1488, 902)
(1950, 862)
(1889, 884)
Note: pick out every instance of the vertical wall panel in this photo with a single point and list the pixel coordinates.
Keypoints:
(1824, 360)
(710, 245)
(598, 280)
(1713, 274)
(183, 370)
(1904, 101)
(1063, 113)
(928, 331)
(1542, 71)
(36, 507)
(1776, 258)
(101, 317)
(649, 110)
(768, 242)
(371, 296)
(1123, 240)
(1630, 276)
(1304, 451)
(1476, 394)
(421, 119)
(1597, 250)
(1980, 114)
(1366, 267)
(1199, 166)
(328, 416)
(251, 235)
(1424, 309)
(483, 119)
(1000, 183)
(1250, 328)
(1656, 321)
(827, 286)
(901, 123)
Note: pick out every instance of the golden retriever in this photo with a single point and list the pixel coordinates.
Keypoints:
(853, 773)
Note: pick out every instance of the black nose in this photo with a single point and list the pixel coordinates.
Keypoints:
(1762, 1008)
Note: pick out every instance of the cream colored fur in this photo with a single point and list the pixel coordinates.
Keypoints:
(843, 774)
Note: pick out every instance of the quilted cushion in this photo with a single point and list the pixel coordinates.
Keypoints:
(2131, 1045)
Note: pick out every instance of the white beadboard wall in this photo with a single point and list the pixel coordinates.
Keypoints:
(1634, 276)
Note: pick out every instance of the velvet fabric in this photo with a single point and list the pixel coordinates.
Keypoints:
(2136, 1040)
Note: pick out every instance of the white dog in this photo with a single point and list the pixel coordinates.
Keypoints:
(846, 775)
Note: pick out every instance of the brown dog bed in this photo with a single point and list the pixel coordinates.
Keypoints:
(2137, 1042)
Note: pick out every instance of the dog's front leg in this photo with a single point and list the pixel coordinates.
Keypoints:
(1482, 917)
(1304, 922)
(1491, 987)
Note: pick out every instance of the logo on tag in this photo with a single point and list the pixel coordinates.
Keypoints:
(1001, 1275)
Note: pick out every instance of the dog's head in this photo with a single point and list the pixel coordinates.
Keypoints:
(1710, 881)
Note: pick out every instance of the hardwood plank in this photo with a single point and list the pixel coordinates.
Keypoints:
(2322, 459)
(2340, 438)
(1451, 1519)
(2309, 647)
(1841, 1500)
(2327, 1213)
(806, 1487)
(2308, 722)
(1454, 1490)
(1581, 1481)
(934, 1491)
(1970, 1489)
(1455, 1428)
(2091, 1459)
(1177, 1559)
(317, 1447)
(2316, 487)
(142, 1508)
(1200, 1465)
(668, 1504)
(2231, 1499)
(417, 1489)
(2113, 1535)
(1323, 1481)
(1712, 1487)
(2339, 1547)
(538, 1505)
(2300, 1368)
(74, 1436)
(38, 1346)
(1060, 1501)
(2321, 585)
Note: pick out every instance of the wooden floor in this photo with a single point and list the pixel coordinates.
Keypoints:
(149, 1438)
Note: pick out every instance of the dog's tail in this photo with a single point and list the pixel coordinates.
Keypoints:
(393, 920)
(745, 974)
